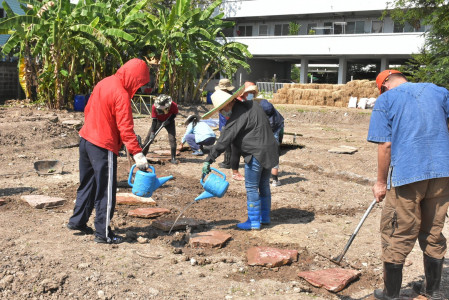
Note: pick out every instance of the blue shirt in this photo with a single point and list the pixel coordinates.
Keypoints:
(201, 131)
(275, 118)
(413, 117)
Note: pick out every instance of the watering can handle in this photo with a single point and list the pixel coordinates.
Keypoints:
(219, 172)
(131, 174)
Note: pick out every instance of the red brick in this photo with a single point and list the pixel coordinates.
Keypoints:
(333, 280)
(270, 257)
(149, 212)
(209, 239)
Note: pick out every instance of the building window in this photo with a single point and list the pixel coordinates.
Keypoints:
(355, 27)
(311, 28)
(263, 29)
(407, 27)
(377, 27)
(281, 29)
(228, 32)
(328, 28)
(245, 30)
(339, 27)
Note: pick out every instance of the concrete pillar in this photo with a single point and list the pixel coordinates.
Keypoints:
(384, 64)
(342, 70)
(304, 70)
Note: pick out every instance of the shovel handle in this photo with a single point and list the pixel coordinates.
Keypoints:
(340, 257)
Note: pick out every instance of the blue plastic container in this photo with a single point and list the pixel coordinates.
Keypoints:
(209, 98)
(79, 103)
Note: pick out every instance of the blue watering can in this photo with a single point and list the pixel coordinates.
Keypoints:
(145, 183)
(215, 186)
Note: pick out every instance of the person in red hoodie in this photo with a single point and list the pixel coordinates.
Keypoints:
(108, 123)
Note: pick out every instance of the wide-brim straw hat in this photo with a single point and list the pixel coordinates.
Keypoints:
(220, 99)
(224, 84)
(251, 88)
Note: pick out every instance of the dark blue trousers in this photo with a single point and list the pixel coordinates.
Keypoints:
(98, 186)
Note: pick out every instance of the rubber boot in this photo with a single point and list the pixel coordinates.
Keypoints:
(430, 288)
(253, 221)
(392, 282)
(226, 164)
(173, 156)
(265, 208)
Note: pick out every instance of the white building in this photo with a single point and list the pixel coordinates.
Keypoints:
(331, 32)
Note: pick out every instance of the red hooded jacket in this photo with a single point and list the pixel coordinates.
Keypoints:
(108, 118)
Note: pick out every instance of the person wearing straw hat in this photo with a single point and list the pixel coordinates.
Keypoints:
(276, 122)
(225, 85)
(249, 129)
(409, 124)
(197, 135)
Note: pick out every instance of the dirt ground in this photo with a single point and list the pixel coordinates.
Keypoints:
(319, 204)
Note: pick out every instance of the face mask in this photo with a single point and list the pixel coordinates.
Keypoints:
(226, 114)
(250, 96)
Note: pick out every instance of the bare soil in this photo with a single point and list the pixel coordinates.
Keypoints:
(316, 209)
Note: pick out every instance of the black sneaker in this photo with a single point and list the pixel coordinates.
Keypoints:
(115, 239)
(84, 228)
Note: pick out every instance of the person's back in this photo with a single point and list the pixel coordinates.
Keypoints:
(417, 115)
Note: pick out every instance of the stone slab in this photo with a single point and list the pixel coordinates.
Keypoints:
(131, 199)
(209, 239)
(182, 223)
(343, 150)
(42, 201)
(333, 280)
(149, 212)
(270, 257)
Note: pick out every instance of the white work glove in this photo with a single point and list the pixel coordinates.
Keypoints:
(141, 161)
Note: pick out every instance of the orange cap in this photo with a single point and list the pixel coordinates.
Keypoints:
(380, 79)
(249, 87)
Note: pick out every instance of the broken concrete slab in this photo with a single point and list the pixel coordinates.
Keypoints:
(333, 280)
(209, 239)
(42, 201)
(270, 257)
(343, 150)
(131, 199)
(149, 212)
(181, 224)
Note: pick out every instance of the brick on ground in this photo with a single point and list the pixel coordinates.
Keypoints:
(166, 224)
(209, 239)
(131, 199)
(334, 279)
(42, 201)
(270, 257)
(148, 212)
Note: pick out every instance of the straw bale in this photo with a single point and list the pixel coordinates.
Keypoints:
(287, 86)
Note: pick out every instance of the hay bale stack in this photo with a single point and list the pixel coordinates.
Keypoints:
(325, 94)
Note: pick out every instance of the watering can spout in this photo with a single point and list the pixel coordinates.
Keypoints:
(204, 195)
(160, 181)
